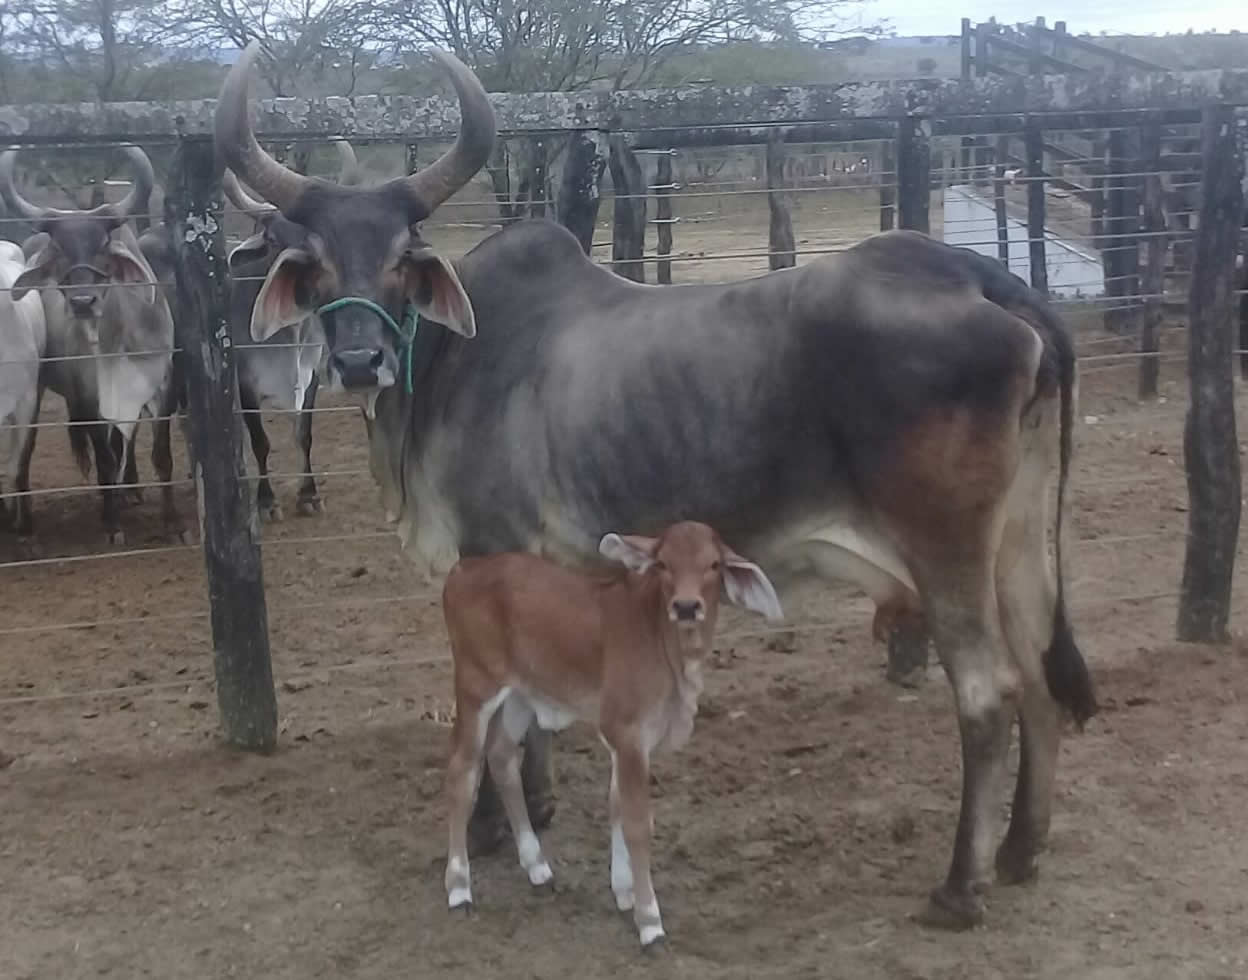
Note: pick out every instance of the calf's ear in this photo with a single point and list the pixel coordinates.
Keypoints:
(431, 285)
(633, 552)
(746, 586)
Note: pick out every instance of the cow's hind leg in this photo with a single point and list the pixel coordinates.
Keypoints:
(131, 495)
(1027, 597)
(308, 500)
(503, 752)
(961, 608)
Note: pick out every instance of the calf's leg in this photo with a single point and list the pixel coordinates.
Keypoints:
(633, 771)
(308, 500)
(463, 771)
(621, 867)
(23, 523)
(503, 752)
(162, 463)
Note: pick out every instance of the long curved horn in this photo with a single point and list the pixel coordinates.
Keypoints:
(144, 180)
(241, 199)
(237, 143)
(15, 201)
(454, 168)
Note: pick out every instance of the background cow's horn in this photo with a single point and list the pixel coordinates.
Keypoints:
(237, 143)
(456, 166)
(241, 199)
(346, 156)
(144, 179)
(8, 188)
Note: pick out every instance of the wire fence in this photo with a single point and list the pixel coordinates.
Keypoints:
(715, 224)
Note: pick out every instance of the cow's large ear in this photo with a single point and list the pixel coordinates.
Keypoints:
(633, 552)
(132, 269)
(284, 297)
(39, 250)
(746, 586)
(431, 285)
(247, 251)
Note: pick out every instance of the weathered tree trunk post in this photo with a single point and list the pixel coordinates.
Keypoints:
(888, 186)
(914, 173)
(1034, 138)
(579, 191)
(663, 187)
(499, 170)
(1155, 252)
(780, 241)
(998, 201)
(1210, 447)
(410, 161)
(231, 537)
(628, 235)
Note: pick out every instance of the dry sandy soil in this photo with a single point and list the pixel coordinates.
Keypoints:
(796, 836)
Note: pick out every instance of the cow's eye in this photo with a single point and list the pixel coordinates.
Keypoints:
(714, 566)
(661, 566)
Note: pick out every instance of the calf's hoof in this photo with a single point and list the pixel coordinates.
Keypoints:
(459, 900)
(308, 506)
(115, 538)
(653, 940)
(1017, 864)
(953, 910)
(271, 513)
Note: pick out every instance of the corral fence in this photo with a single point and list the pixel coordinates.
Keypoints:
(1140, 226)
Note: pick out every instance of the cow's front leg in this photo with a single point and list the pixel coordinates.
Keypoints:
(633, 772)
(162, 463)
(308, 500)
(106, 476)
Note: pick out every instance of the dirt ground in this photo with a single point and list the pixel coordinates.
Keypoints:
(797, 834)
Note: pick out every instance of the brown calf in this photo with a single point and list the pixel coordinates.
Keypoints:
(624, 651)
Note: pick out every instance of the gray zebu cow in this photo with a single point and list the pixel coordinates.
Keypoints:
(894, 415)
(108, 324)
(22, 342)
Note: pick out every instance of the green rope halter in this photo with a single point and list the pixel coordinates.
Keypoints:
(406, 332)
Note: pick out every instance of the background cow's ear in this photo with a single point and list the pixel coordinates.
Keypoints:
(285, 294)
(633, 552)
(431, 285)
(39, 251)
(746, 586)
(128, 267)
(252, 249)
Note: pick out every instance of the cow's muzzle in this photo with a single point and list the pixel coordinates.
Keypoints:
(363, 368)
(687, 611)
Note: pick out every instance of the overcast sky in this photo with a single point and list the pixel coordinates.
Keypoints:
(1115, 16)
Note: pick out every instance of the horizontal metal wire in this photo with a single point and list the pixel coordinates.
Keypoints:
(103, 556)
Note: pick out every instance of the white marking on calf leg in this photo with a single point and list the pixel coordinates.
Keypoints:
(649, 923)
(503, 751)
(621, 868)
(462, 774)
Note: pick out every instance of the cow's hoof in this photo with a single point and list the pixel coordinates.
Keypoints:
(183, 537)
(309, 506)
(460, 900)
(271, 513)
(956, 911)
(486, 835)
(541, 812)
(1016, 864)
(116, 538)
(132, 497)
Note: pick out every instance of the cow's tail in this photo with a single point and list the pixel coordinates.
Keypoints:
(1065, 670)
(80, 445)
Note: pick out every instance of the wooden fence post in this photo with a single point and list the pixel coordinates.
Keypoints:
(1155, 252)
(579, 196)
(998, 201)
(230, 529)
(1034, 139)
(663, 187)
(888, 186)
(908, 641)
(1121, 254)
(780, 241)
(914, 173)
(411, 162)
(1210, 447)
(628, 234)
